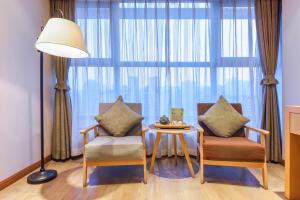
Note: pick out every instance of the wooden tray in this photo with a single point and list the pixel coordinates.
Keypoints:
(172, 126)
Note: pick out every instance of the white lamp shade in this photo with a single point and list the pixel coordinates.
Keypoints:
(63, 38)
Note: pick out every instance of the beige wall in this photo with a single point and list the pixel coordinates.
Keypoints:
(21, 21)
(291, 52)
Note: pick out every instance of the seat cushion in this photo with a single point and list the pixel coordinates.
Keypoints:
(109, 148)
(222, 119)
(232, 149)
(119, 118)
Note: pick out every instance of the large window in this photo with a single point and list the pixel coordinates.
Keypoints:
(165, 55)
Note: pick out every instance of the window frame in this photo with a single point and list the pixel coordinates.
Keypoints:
(216, 59)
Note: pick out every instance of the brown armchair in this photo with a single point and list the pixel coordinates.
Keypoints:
(233, 151)
(106, 150)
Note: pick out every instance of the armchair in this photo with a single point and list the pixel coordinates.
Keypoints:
(238, 150)
(106, 150)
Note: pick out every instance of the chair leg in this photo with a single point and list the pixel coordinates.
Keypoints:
(145, 169)
(201, 170)
(84, 173)
(201, 157)
(175, 148)
(265, 176)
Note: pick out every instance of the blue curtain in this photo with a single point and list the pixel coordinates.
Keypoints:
(165, 54)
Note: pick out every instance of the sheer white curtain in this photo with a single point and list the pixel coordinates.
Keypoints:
(165, 54)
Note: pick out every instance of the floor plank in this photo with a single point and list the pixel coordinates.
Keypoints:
(169, 181)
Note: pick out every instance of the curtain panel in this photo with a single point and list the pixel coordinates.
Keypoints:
(268, 15)
(165, 54)
(62, 122)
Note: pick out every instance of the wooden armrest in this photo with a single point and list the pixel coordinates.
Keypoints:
(144, 129)
(86, 130)
(200, 134)
(258, 130)
(263, 133)
(199, 129)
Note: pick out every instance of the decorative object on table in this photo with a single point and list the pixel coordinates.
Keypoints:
(164, 120)
(177, 115)
(63, 38)
(172, 126)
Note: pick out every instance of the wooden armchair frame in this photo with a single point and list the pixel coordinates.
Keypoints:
(262, 165)
(87, 164)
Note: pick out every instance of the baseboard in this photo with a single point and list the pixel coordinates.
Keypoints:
(20, 174)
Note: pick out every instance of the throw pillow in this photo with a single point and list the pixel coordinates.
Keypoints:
(222, 119)
(119, 118)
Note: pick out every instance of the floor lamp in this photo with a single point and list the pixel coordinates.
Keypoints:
(62, 38)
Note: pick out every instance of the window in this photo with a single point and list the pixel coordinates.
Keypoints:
(165, 55)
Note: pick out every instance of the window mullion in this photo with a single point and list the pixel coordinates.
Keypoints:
(215, 41)
(115, 43)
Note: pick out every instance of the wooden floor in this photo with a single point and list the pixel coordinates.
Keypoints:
(168, 182)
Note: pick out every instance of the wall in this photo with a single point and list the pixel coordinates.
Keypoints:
(19, 85)
(291, 51)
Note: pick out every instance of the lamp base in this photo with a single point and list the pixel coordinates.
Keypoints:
(42, 176)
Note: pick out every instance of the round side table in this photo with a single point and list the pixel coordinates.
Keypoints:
(174, 132)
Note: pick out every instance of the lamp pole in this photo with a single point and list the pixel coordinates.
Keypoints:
(43, 175)
(42, 109)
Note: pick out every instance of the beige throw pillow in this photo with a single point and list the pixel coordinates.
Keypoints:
(222, 119)
(119, 119)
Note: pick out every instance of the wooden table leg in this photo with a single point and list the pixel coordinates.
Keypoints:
(186, 154)
(175, 148)
(157, 139)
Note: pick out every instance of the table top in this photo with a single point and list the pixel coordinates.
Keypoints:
(170, 131)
